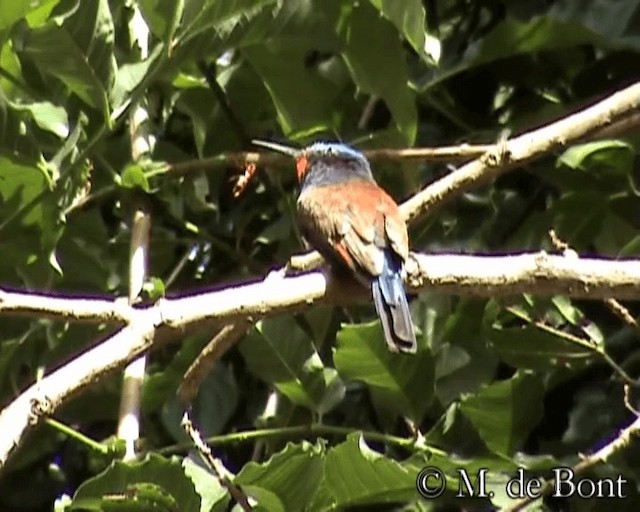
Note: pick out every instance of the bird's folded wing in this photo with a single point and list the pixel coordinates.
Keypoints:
(356, 223)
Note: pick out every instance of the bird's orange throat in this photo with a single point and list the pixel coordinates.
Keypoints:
(302, 166)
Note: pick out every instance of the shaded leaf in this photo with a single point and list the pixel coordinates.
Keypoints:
(405, 383)
(594, 156)
(44, 46)
(505, 412)
(154, 482)
(301, 463)
(531, 347)
(409, 19)
(356, 475)
(377, 65)
(280, 353)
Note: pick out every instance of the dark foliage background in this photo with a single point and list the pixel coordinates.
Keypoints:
(496, 384)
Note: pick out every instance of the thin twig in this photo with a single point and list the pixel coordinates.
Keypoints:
(209, 74)
(621, 441)
(576, 340)
(221, 473)
(315, 429)
(215, 349)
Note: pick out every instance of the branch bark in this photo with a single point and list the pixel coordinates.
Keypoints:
(486, 276)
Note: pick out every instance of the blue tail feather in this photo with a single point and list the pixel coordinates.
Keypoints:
(392, 307)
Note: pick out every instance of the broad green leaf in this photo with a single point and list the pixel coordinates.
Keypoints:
(355, 475)
(154, 482)
(514, 37)
(616, 24)
(45, 45)
(531, 347)
(449, 359)
(378, 67)
(597, 156)
(409, 19)
(47, 116)
(22, 184)
(206, 485)
(202, 15)
(631, 248)
(91, 28)
(505, 412)
(301, 96)
(13, 10)
(281, 354)
(130, 76)
(300, 463)
(463, 331)
(615, 233)
(405, 383)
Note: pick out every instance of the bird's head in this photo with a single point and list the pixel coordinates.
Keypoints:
(324, 162)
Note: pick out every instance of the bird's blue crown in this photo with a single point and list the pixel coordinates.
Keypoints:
(338, 149)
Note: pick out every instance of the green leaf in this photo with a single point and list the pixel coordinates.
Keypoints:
(134, 176)
(154, 482)
(92, 29)
(513, 37)
(206, 485)
(505, 412)
(201, 15)
(355, 475)
(30, 223)
(531, 347)
(45, 45)
(377, 65)
(409, 19)
(301, 96)
(129, 76)
(281, 354)
(595, 156)
(463, 330)
(13, 10)
(47, 116)
(405, 383)
(300, 463)
(154, 288)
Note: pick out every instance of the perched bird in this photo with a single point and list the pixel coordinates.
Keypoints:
(355, 225)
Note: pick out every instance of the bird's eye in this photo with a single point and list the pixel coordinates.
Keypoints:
(331, 151)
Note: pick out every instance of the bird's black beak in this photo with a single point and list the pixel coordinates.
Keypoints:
(279, 148)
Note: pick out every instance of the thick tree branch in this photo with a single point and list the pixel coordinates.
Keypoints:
(481, 276)
(523, 148)
(61, 307)
(486, 276)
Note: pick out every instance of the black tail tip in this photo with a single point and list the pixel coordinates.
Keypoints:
(402, 346)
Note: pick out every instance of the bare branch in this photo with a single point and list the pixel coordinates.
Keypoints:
(61, 307)
(523, 148)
